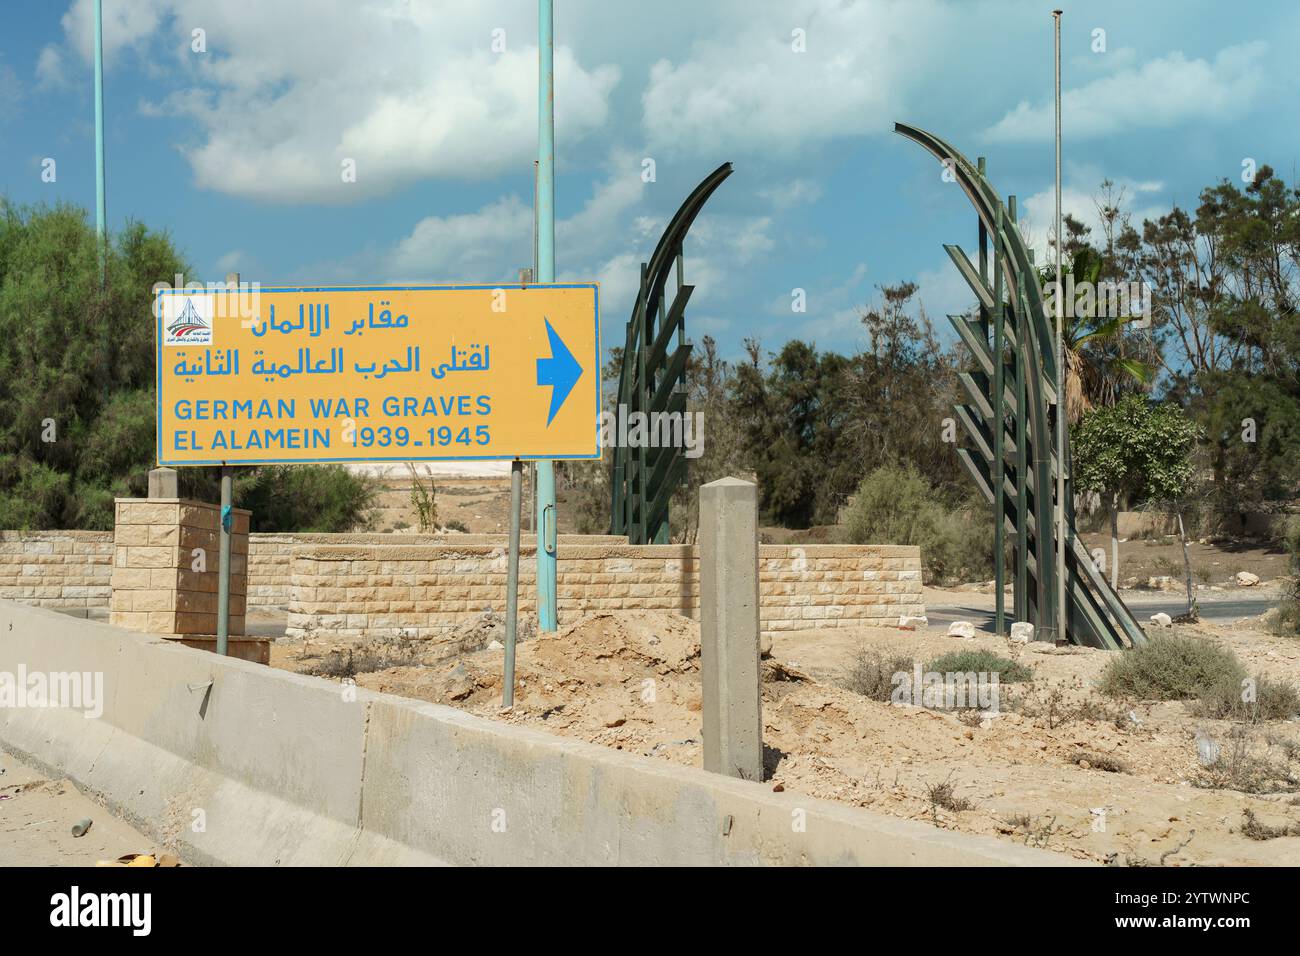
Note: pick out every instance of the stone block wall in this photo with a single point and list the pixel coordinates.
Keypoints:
(157, 585)
(426, 591)
(270, 556)
(829, 585)
(56, 569)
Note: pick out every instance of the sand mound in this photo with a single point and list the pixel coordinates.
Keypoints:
(1038, 774)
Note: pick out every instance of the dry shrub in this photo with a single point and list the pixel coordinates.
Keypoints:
(1170, 667)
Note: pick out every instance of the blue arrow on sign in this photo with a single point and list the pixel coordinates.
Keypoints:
(561, 371)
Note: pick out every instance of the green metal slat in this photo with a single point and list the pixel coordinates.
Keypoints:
(1082, 597)
(673, 376)
(659, 506)
(977, 285)
(674, 321)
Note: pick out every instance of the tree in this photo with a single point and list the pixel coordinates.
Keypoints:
(1099, 316)
(792, 419)
(898, 391)
(1138, 450)
(77, 385)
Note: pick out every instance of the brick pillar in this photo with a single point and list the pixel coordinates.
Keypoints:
(165, 567)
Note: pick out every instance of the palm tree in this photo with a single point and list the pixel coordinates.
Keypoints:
(1097, 370)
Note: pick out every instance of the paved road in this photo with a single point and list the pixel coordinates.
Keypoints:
(1228, 609)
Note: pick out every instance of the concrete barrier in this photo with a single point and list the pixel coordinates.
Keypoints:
(235, 763)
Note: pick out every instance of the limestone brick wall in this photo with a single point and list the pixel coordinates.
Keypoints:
(56, 569)
(270, 556)
(425, 591)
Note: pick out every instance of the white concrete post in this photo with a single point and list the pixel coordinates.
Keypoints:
(163, 483)
(729, 629)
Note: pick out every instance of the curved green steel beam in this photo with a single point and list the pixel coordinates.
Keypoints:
(1040, 357)
(986, 201)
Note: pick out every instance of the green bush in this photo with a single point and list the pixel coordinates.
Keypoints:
(310, 498)
(896, 505)
(1287, 621)
(1273, 700)
(76, 365)
(77, 386)
(1171, 667)
(980, 661)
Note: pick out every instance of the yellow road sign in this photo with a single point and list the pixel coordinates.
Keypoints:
(411, 373)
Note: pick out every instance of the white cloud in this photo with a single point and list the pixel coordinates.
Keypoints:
(606, 240)
(1038, 211)
(231, 261)
(796, 192)
(942, 291)
(128, 24)
(834, 313)
(408, 89)
(50, 69)
(489, 245)
(747, 88)
(1159, 94)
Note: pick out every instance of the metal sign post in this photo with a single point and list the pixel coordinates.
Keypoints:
(223, 566)
(227, 526)
(512, 584)
(547, 620)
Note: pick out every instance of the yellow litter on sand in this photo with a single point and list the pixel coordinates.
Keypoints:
(143, 859)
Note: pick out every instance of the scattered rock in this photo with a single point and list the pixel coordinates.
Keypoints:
(961, 629)
(496, 646)
(1161, 620)
(1022, 632)
(912, 623)
(460, 684)
(1163, 582)
(1245, 579)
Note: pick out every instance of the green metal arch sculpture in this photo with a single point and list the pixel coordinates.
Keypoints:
(652, 380)
(1012, 457)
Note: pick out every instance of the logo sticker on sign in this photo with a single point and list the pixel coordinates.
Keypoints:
(187, 319)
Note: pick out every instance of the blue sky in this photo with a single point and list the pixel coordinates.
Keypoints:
(237, 151)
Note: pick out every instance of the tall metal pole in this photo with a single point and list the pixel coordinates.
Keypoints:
(546, 531)
(223, 561)
(223, 542)
(999, 438)
(512, 584)
(1061, 374)
(1021, 599)
(101, 219)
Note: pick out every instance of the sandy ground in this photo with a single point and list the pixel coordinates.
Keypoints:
(631, 681)
(1213, 563)
(36, 819)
